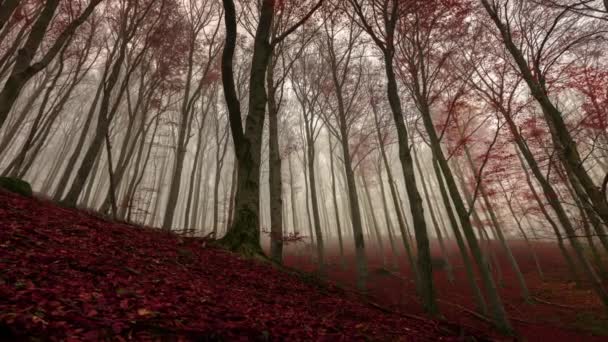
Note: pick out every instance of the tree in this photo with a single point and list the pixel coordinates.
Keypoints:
(243, 235)
(203, 24)
(24, 68)
(383, 35)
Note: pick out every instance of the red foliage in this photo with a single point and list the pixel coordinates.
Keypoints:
(67, 275)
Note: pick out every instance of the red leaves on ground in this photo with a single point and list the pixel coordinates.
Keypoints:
(67, 275)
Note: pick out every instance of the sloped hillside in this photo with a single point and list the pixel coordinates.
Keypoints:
(67, 274)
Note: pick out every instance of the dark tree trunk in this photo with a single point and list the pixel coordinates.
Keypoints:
(244, 234)
(426, 288)
(274, 177)
(7, 7)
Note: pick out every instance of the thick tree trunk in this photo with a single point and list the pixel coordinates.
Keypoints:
(244, 234)
(22, 72)
(7, 7)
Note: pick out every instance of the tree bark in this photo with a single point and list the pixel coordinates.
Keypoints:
(274, 178)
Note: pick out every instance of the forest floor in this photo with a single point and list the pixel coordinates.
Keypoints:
(562, 311)
(68, 275)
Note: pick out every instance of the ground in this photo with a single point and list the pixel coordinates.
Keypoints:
(68, 275)
(563, 311)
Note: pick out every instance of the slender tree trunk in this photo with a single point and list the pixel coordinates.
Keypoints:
(401, 220)
(335, 199)
(497, 309)
(425, 286)
(111, 175)
(306, 198)
(292, 193)
(521, 230)
(553, 199)
(387, 216)
(176, 178)
(493, 217)
(274, 177)
(192, 181)
(563, 142)
(466, 259)
(103, 124)
(448, 264)
(71, 163)
(314, 200)
(20, 158)
(220, 154)
(374, 221)
(12, 131)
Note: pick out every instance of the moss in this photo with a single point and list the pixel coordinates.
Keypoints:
(16, 185)
(243, 236)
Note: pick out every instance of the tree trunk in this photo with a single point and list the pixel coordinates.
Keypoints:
(7, 7)
(553, 199)
(194, 183)
(466, 259)
(448, 264)
(521, 230)
(335, 199)
(103, 124)
(387, 217)
(314, 200)
(23, 69)
(220, 154)
(274, 177)
(374, 221)
(497, 309)
(71, 163)
(426, 288)
(563, 142)
(498, 231)
(244, 234)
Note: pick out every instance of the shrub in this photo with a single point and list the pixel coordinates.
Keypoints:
(16, 185)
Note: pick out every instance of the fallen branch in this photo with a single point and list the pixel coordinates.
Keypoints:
(542, 301)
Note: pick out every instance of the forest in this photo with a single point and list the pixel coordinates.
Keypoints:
(221, 170)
